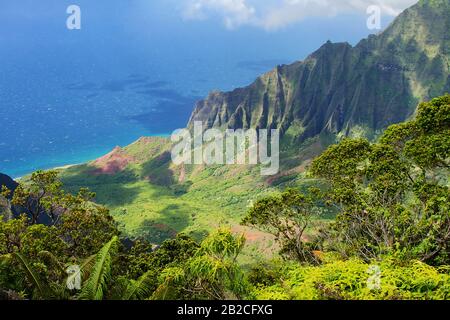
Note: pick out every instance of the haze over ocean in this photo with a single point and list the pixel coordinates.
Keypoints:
(135, 68)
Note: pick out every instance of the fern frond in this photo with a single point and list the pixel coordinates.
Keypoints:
(87, 265)
(49, 257)
(5, 259)
(139, 289)
(33, 277)
(93, 288)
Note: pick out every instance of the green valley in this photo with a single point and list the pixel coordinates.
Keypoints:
(359, 210)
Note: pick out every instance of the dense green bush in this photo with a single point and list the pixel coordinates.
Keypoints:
(352, 280)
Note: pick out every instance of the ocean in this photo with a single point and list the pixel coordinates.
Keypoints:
(135, 68)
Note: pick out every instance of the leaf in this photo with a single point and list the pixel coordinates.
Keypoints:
(43, 290)
(93, 288)
(139, 289)
(46, 255)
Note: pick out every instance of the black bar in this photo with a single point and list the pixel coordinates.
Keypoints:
(289, 310)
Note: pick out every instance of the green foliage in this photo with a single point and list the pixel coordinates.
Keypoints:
(287, 217)
(174, 251)
(33, 260)
(30, 246)
(357, 280)
(212, 273)
(33, 277)
(393, 195)
(266, 274)
(39, 238)
(78, 229)
(100, 274)
(11, 233)
(139, 289)
(341, 162)
(40, 196)
(86, 229)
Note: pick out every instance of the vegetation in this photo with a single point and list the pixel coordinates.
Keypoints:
(393, 196)
(287, 217)
(389, 240)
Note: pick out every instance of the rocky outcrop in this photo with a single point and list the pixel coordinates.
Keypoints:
(8, 182)
(6, 210)
(340, 88)
(115, 161)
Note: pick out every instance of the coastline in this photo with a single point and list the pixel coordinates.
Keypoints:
(88, 158)
(67, 166)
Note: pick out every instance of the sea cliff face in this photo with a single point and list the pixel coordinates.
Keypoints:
(6, 210)
(7, 182)
(339, 88)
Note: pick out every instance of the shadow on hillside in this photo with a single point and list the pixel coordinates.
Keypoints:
(157, 170)
(111, 190)
(173, 219)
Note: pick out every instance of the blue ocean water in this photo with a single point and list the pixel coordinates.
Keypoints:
(135, 68)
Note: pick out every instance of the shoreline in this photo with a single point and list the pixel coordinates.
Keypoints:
(91, 158)
(67, 166)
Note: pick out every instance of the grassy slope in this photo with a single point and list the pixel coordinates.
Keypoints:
(153, 199)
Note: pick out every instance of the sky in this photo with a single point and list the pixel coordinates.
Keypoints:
(268, 15)
(276, 14)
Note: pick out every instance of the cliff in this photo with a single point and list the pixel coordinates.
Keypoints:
(340, 88)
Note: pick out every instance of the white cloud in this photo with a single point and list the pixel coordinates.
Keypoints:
(275, 14)
(233, 12)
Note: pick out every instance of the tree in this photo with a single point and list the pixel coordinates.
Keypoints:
(42, 195)
(86, 228)
(212, 273)
(28, 248)
(5, 203)
(287, 217)
(11, 232)
(393, 195)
